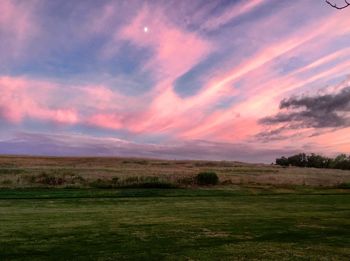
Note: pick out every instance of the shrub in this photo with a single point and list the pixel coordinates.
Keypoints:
(344, 186)
(207, 178)
(49, 180)
(146, 182)
(154, 185)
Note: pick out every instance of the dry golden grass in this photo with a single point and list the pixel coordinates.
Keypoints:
(18, 171)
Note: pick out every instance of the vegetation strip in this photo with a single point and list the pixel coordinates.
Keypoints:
(136, 193)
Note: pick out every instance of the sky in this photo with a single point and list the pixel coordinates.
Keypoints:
(246, 80)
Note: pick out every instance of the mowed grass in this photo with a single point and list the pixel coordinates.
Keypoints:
(174, 224)
(51, 209)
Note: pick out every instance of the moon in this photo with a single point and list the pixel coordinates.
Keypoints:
(145, 29)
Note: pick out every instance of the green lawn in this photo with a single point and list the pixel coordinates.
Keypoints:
(178, 224)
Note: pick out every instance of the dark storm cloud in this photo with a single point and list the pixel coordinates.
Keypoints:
(322, 111)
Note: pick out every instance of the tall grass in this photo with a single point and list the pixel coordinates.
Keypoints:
(18, 172)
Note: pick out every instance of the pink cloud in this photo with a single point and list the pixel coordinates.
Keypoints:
(231, 13)
(169, 111)
(110, 121)
(331, 142)
(264, 98)
(258, 104)
(174, 53)
(21, 98)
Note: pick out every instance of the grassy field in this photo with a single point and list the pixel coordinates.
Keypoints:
(28, 172)
(175, 224)
(54, 209)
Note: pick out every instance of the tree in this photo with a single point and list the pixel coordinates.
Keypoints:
(282, 161)
(317, 161)
(313, 160)
(334, 5)
(299, 160)
(341, 162)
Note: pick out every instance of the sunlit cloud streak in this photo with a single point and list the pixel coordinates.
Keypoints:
(245, 73)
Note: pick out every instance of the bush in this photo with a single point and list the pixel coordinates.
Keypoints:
(46, 179)
(207, 178)
(146, 182)
(344, 186)
(152, 185)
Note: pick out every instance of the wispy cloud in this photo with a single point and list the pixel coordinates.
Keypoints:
(177, 71)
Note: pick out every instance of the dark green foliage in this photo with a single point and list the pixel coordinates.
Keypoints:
(299, 160)
(131, 182)
(50, 179)
(207, 178)
(341, 162)
(315, 161)
(282, 161)
(47, 179)
(344, 186)
(145, 182)
(154, 185)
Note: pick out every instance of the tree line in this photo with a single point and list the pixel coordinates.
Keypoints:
(313, 160)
